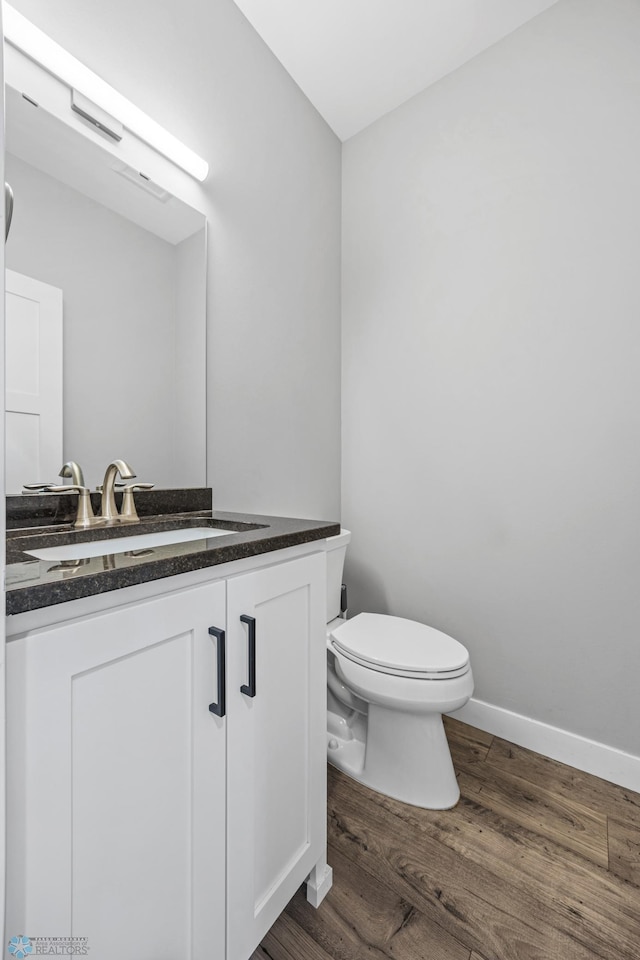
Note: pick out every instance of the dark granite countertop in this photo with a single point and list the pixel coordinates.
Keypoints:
(32, 583)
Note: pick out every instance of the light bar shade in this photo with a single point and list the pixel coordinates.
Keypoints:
(25, 36)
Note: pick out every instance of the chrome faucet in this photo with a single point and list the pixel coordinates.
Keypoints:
(108, 510)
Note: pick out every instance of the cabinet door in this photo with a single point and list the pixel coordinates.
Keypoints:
(276, 752)
(123, 835)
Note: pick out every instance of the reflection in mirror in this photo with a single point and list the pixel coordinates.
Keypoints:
(119, 370)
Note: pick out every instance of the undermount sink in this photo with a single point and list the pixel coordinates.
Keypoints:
(141, 541)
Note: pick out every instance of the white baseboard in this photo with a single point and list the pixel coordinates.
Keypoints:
(576, 751)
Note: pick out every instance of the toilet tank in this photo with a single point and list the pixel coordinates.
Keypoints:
(336, 552)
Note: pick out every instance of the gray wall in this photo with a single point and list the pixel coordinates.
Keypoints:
(120, 288)
(491, 348)
(190, 352)
(273, 204)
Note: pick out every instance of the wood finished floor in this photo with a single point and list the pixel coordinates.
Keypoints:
(538, 861)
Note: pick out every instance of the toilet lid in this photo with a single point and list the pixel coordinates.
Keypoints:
(394, 644)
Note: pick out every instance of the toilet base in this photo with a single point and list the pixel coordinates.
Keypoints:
(404, 756)
(345, 749)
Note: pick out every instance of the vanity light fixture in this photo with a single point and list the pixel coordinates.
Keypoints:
(25, 36)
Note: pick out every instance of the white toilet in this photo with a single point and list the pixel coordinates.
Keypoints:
(389, 682)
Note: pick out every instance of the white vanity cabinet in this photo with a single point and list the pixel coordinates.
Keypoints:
(276, 743)
(139, 818)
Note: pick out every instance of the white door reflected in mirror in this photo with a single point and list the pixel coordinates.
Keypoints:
(33, 399)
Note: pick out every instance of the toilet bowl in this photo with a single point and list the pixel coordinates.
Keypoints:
(389, 681)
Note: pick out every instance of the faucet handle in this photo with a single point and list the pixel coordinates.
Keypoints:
(36, 487)
(65, 488)
(128, 512)
(85, 517)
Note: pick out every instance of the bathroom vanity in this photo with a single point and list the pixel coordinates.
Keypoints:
(166, 737)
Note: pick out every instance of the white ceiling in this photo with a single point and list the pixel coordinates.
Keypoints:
(358, 59)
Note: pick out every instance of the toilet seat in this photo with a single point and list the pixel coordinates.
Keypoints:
(400, 647)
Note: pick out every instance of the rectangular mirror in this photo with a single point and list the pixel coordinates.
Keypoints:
(106, 313)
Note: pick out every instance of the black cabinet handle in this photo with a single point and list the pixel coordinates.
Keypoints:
(249, 689)
(219, 708)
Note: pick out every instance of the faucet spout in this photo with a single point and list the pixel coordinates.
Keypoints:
(73, 470)
(108, 509)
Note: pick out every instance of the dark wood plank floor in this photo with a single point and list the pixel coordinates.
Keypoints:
(537, 862)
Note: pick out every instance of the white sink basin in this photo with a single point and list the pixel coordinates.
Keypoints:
(141, 541)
